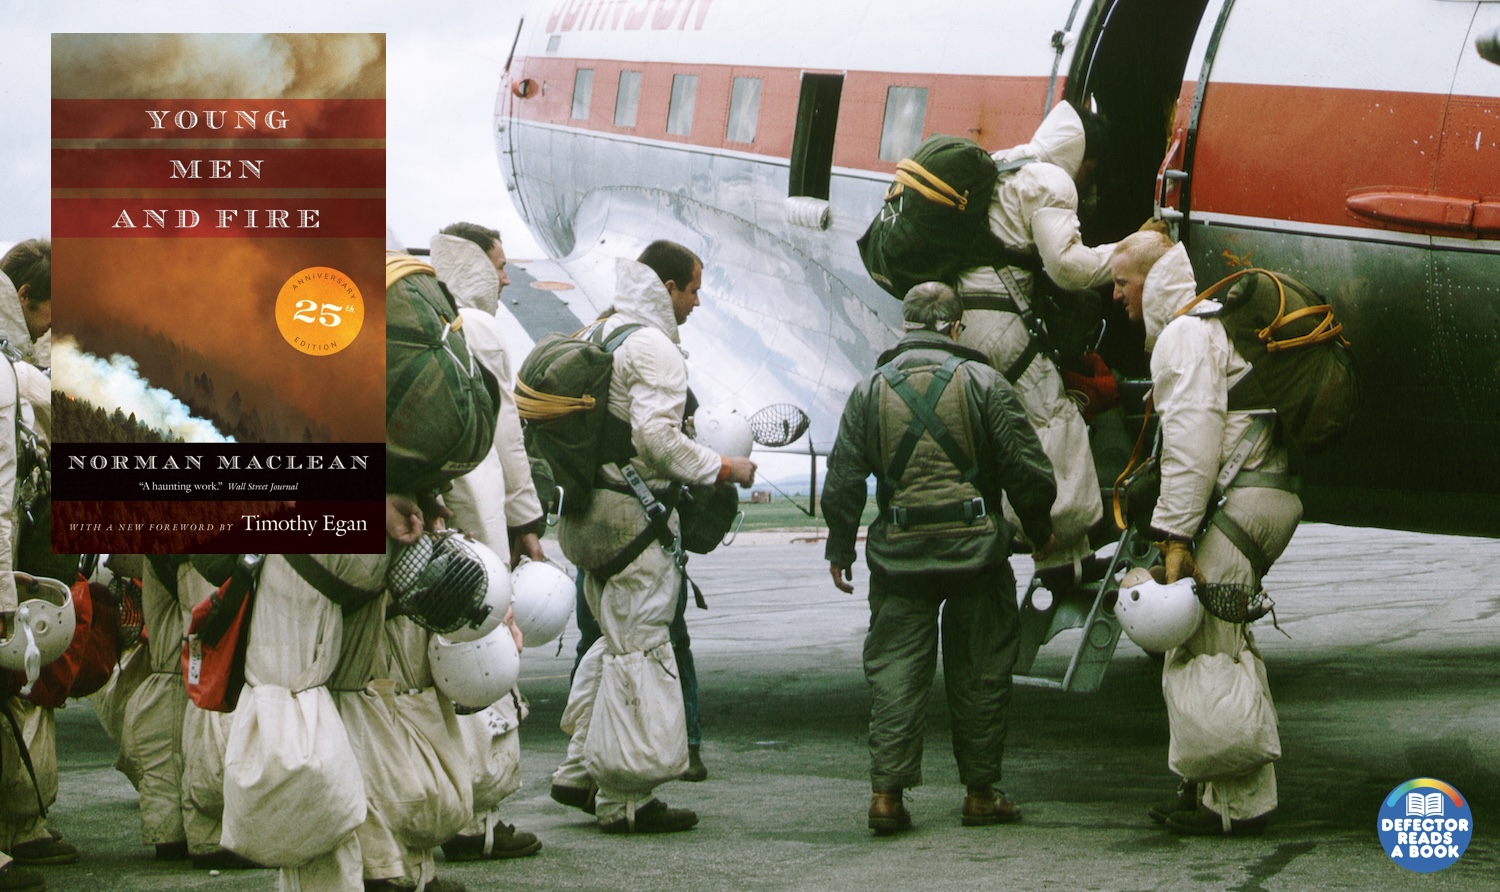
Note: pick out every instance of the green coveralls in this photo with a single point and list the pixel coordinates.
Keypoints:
(935, 563)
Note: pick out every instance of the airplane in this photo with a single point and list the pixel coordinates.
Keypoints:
(1350, 143)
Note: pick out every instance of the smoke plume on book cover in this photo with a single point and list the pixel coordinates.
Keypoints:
(217, 355)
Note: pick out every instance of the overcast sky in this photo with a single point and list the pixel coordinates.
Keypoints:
(444, 60)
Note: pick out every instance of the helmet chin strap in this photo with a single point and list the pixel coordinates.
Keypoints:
(33, 656)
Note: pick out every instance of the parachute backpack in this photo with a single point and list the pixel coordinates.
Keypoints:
(439, 403)
(562, 396)
(934, 223)
(1301, 365)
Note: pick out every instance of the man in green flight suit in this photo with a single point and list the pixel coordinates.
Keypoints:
(946, 437)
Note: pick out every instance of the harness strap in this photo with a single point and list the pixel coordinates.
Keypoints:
(924, 418)
(1015, 370)
(990, 302)
(1268, 480)
(1122, 481)
(1036, 332)
(1242, 541)
(25, 754)
(347, 596)
(969, 510)
(658, 509)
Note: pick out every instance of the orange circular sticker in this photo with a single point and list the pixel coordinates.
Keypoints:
(319, 311)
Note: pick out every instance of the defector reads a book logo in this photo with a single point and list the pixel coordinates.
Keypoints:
(1425, 825)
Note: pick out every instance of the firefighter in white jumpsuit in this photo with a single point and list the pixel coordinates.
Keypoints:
(1193, 364)
(497, 504)
(634, 606)
(1035, 211)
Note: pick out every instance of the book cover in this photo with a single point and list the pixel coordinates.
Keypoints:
(217, 354)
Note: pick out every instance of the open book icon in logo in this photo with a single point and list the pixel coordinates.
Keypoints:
(1423, 806)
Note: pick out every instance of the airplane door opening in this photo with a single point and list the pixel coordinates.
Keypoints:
(812, 143)
(1130, 66)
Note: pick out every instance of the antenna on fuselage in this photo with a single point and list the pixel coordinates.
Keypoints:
(514, 42)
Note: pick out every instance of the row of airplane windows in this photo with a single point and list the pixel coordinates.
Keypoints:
(901, 129)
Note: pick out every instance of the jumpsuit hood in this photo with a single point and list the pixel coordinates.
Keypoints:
(1168, 287)
(1058, 140)
(13, 321)
(641, 296)
(467, 271)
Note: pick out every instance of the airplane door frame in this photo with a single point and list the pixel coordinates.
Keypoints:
(811, 172)
(1184, 174)
(1130, 66)
(1059, 46)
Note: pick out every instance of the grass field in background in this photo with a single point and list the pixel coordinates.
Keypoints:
(783, 514)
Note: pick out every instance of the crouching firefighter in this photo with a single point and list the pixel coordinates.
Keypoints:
(625, 711)
(946, 437)
(1227, 510)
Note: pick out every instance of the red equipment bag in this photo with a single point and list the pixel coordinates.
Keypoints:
(213, 654)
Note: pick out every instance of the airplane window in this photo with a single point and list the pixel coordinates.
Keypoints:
(680, 111)
(905, 110)
(583, 92)
(628, 98)
(744, 110)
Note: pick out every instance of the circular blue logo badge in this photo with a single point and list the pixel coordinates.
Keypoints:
(1425, 825)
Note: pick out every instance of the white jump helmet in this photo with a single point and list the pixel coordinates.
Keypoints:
(474, 674)
(450, 584)
(543, 602)
(725, 431)
(44, 625)
(1158, 616)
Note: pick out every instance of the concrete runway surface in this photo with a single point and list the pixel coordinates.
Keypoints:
(1391, 673)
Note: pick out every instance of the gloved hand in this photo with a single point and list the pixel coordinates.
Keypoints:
(1093, 388)
(1180, 563)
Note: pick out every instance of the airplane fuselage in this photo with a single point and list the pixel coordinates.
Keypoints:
(1353, 145)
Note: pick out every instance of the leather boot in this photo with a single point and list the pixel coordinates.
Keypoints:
(986, 805)
(507, 842)
(887, 814)
(654, 817)
(1186, 799)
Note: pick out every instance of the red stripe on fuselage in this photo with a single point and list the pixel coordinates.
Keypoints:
(1276, 152)
(996, 112)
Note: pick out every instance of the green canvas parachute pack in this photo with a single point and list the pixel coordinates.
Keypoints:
(934, 222)
(439, 402)
(1301, 365)
(562, 396)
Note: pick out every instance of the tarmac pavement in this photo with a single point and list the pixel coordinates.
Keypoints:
(1390, 673)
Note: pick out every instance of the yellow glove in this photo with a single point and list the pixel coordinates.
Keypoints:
(1179, 561)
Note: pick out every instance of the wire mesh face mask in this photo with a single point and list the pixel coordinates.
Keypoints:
(444, 583)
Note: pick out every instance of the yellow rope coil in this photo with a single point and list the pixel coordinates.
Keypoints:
(399, 265)
(534, 405)
(1326, 329)
(910, 173)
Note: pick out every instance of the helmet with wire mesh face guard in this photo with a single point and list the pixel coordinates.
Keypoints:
(450, 584)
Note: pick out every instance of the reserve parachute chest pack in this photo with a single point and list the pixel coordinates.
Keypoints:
(562, 396)
(1301, 366)
(439, 403)
(934, 223)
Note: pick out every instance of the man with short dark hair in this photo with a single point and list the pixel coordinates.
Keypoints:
(29, 266)
(946, 437)
(624, 746)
